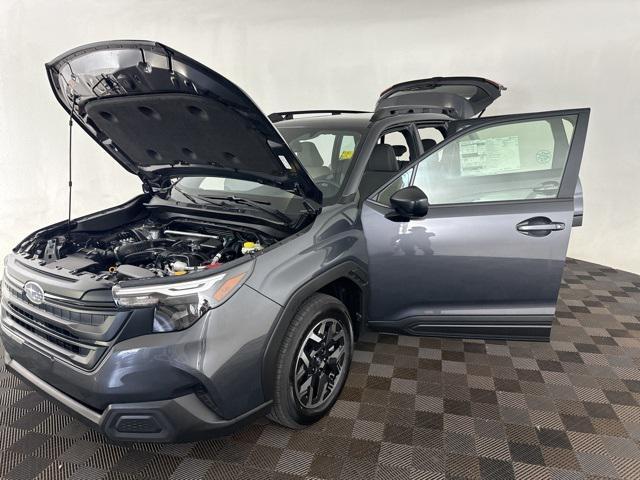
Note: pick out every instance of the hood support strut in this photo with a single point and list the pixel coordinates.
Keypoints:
(73, 107)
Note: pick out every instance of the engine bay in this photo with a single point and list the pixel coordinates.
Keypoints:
(144, 249)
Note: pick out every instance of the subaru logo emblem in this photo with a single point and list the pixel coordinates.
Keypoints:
(34, 292)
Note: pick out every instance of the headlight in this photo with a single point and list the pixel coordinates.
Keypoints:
(178, 305)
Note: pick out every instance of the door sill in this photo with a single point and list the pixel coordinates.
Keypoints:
(511, 327)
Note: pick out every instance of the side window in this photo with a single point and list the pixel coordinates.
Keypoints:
(402, 181)
(512, 161)
(399, 143)
(429, 136)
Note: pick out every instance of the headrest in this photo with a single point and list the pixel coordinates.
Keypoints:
(428, 144)
(383, 159)
(399, 150)
(308, 154)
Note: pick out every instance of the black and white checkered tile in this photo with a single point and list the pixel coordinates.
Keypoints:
(413, 408)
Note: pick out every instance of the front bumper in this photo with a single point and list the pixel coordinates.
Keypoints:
(180, 419)
(175, 386)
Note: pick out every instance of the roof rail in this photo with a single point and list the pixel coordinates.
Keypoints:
(279, 116)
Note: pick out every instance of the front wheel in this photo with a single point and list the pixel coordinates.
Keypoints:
(313, 362)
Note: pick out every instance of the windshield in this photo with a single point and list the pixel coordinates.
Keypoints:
(229, 186)
(325, 154)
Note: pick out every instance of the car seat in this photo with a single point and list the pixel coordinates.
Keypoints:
(311, 159)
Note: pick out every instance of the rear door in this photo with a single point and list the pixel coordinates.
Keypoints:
(457, 97)
(487, 259)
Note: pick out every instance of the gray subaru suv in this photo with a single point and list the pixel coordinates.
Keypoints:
(236, 283)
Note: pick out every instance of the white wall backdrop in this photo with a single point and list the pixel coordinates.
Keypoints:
(335, 54)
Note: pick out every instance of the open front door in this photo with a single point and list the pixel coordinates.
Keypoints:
(488, 257)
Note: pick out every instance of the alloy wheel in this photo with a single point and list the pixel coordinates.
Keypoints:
(319, 364)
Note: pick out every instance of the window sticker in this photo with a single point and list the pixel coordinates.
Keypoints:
(543, 158)
(346, 154)
(489, 156)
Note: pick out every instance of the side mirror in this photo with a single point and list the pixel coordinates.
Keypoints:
(410, 202)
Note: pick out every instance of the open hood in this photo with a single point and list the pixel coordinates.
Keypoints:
(161, 114)
(458, 97)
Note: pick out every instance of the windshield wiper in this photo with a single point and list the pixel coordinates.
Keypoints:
(261, 206)
(184, 194)
(195, 198)
(238, 201)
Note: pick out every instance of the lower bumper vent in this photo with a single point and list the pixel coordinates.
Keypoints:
(137, 424)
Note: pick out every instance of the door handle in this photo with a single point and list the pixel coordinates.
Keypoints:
(539, 226)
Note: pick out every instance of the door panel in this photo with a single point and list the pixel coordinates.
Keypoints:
(452, 263)
(487, 259)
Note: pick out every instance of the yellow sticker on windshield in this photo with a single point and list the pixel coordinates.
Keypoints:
(346, 154)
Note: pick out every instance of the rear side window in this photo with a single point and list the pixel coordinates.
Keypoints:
(514, 161)
(398, 140)
(430, 137)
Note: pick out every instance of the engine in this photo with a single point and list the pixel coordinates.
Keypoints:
(145, 250)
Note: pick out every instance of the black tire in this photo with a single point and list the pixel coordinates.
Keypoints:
(317, 310)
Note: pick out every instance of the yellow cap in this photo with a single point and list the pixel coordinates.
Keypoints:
(248, 244)
(181, 272)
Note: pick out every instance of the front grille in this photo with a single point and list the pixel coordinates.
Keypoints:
(50, 338)
(65, 331)
(33, 319)
(86, 318)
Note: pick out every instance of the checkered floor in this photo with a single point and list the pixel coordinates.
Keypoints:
(413, 408)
